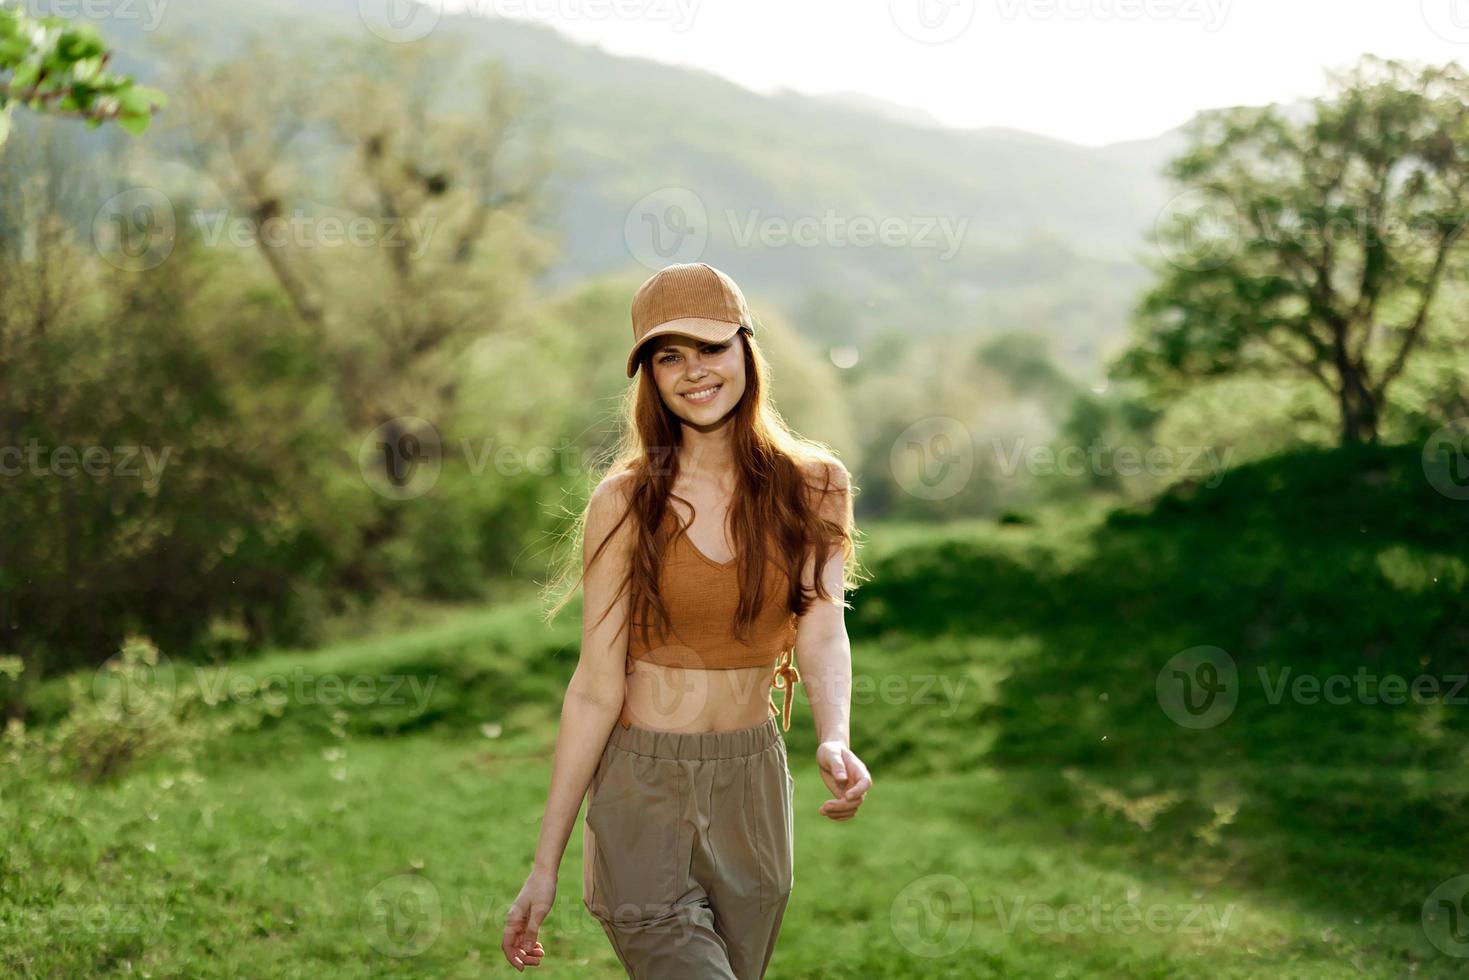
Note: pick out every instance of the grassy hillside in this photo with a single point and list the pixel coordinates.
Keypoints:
(1037, 812)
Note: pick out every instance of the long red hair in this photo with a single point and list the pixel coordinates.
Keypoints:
(783, 482)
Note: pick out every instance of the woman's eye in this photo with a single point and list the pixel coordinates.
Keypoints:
(708, 349)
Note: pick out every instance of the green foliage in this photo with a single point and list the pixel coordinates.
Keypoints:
(170, 434)
(1318, 564)
(1321, 249)
(234, 395)
(130, 710)
(53, 66)
(1003, 680)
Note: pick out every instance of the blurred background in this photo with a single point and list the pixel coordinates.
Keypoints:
(1141, 328)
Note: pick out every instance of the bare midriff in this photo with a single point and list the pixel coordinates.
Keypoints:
(695, 699)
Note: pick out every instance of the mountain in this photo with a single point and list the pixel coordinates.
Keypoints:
(989, 229)
(906, 115)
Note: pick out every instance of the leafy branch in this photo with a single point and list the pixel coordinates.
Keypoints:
(53, 66)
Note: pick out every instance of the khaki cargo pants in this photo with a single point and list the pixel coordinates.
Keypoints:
(688, 850)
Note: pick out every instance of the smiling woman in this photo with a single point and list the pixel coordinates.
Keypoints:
(719, 545)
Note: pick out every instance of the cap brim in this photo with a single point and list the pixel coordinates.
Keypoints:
(704, 328)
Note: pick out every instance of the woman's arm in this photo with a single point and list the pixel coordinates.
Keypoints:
(824, 654)
(589, 709)
(594, 695)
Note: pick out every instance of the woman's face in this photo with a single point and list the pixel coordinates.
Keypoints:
(715, 373)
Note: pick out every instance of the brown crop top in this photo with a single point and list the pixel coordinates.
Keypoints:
(701, 597)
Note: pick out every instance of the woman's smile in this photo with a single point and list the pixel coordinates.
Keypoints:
(701, 395)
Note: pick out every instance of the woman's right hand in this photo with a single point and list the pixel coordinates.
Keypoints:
(523, 921)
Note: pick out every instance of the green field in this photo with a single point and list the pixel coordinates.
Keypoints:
(1036, 812)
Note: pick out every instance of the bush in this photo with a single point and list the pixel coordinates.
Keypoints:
(133, 709)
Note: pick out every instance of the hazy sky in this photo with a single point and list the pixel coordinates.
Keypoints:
(1090, 71)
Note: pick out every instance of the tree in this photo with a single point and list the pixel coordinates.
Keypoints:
(50, 65)
(1316, 247)
(448, 191)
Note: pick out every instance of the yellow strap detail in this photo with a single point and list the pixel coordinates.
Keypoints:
(786, 678)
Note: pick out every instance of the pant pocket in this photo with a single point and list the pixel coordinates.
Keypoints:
(635, 817)
(774, 828)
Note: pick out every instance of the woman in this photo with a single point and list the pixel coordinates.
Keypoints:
(668, 718)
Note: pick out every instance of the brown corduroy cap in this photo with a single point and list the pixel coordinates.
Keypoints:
(690, 298)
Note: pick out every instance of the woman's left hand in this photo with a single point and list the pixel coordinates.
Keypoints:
(846, 776)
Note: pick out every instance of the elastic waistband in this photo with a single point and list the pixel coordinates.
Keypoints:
(730, 744)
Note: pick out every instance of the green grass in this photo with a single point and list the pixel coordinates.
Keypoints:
(1034, 809)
